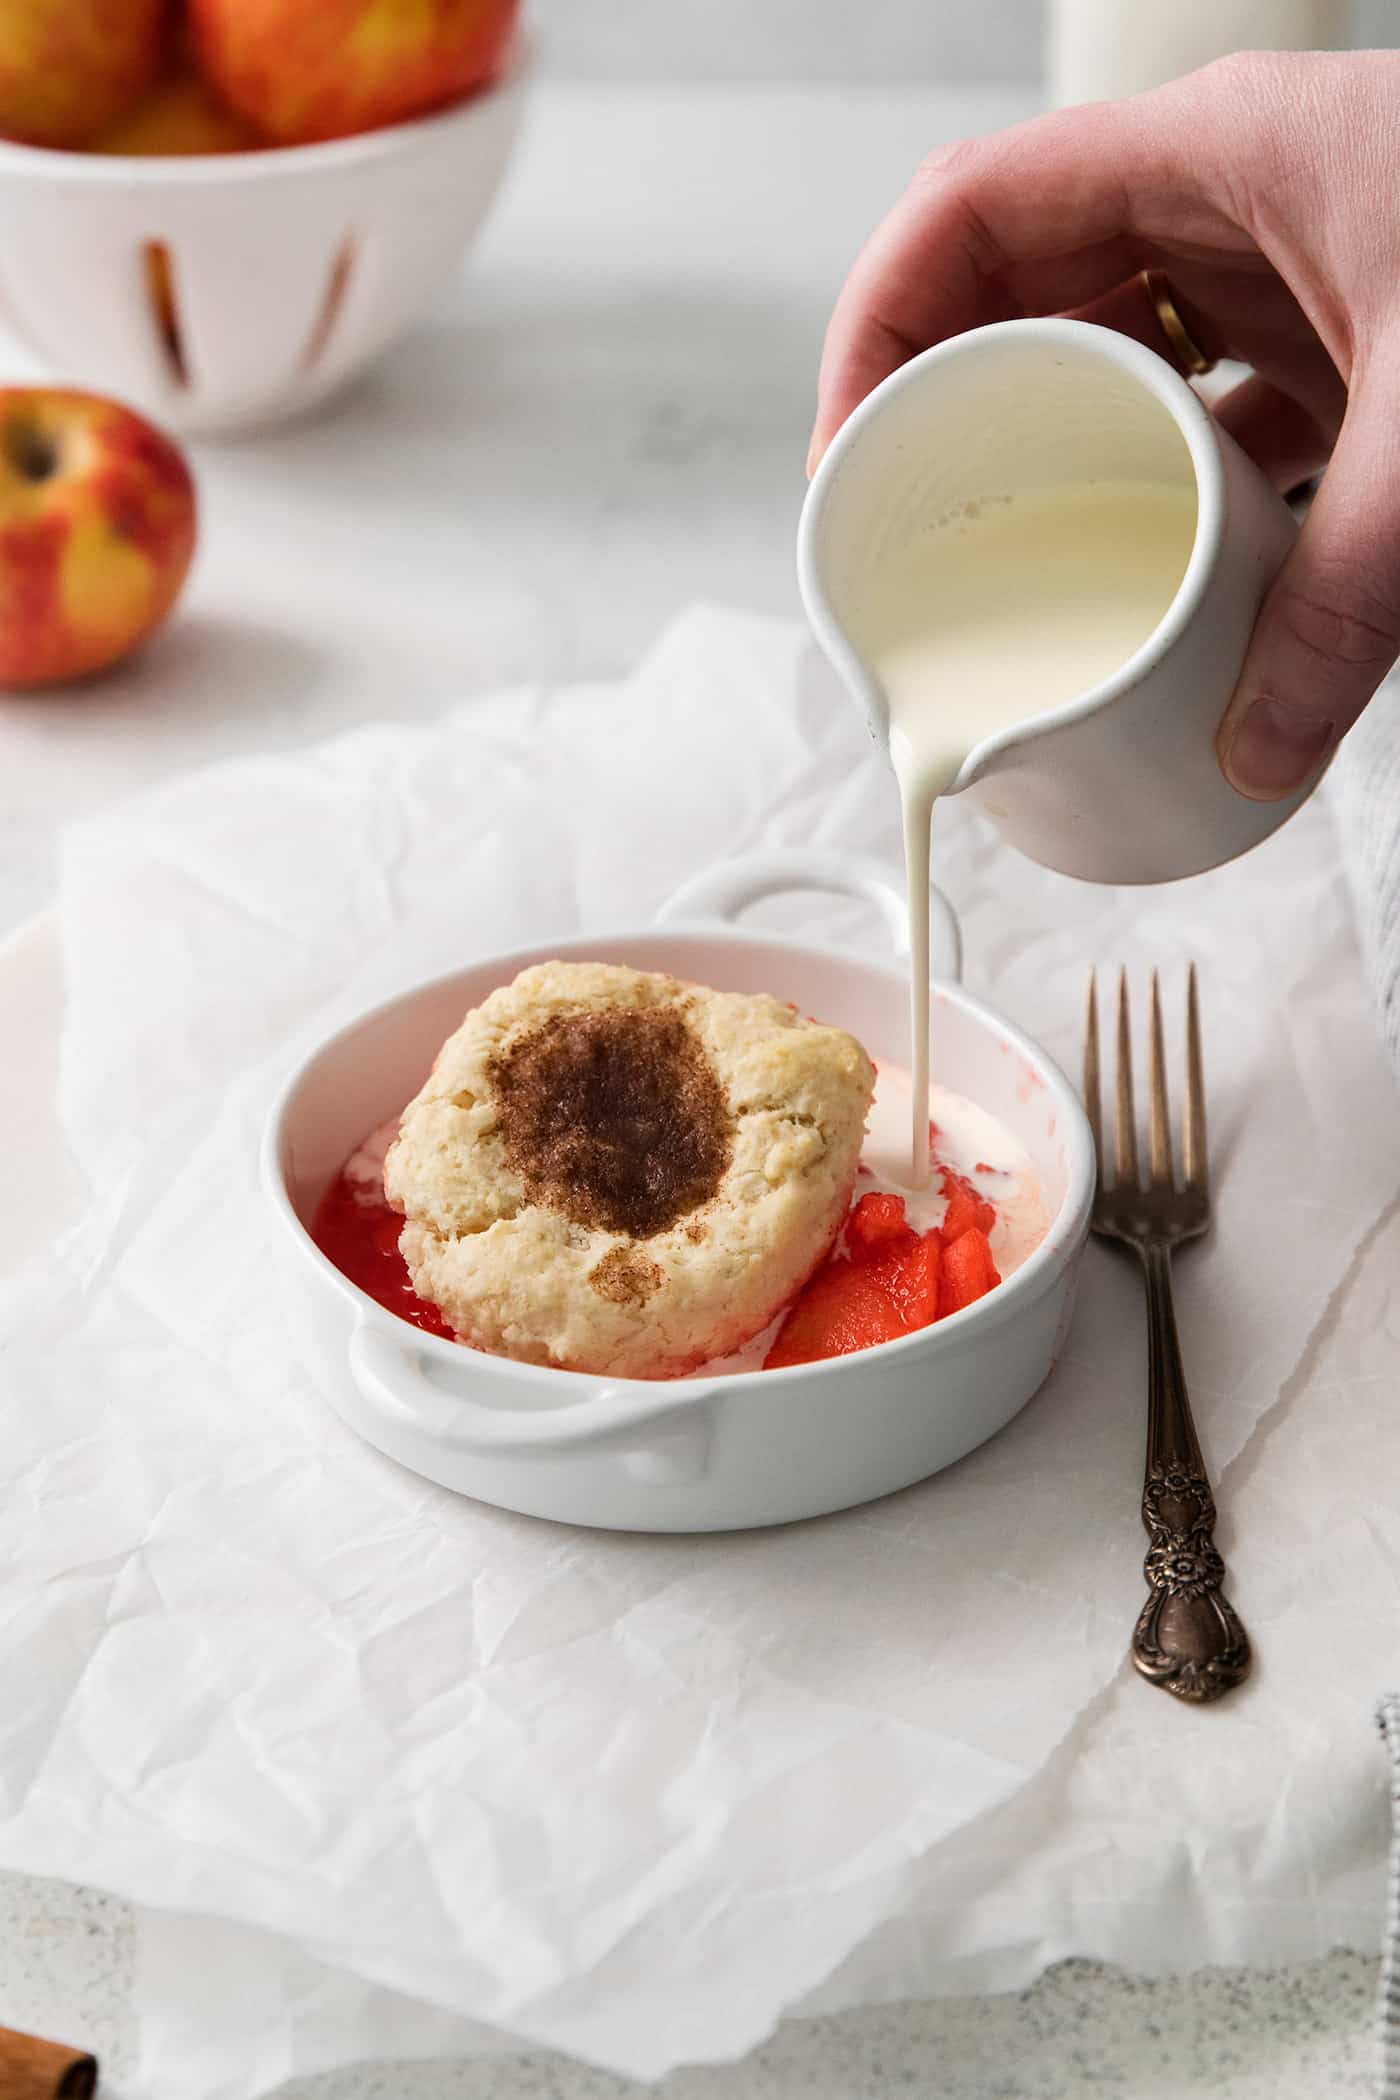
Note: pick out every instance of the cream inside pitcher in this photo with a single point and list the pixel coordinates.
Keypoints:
(993, 458)
(1036, 561)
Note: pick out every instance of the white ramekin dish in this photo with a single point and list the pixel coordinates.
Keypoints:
(692, 1454)
(291, 268)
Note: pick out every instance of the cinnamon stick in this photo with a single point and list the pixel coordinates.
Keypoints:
(31, 2069)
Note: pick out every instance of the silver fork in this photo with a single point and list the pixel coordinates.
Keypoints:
(1187, 1638)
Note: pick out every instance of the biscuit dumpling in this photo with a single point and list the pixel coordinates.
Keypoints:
(612, 1171)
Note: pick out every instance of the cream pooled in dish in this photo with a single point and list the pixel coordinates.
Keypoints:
(967, 1141)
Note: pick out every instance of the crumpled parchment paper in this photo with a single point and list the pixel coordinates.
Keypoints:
(390, 1770)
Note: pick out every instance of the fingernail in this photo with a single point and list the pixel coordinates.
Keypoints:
(813, 455)
(1275, 749)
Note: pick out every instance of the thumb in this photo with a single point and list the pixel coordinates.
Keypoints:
(1329, 629)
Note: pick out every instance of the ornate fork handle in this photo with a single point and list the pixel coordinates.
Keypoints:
(1187, 1638)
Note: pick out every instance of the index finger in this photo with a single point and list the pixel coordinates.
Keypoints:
(1043, 217)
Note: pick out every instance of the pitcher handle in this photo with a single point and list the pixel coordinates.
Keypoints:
(730, 886)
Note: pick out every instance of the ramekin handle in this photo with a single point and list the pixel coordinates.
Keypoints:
(730, 886)
(399, 1396)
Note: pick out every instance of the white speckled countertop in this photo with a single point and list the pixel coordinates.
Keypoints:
(1083, 2032)
(606, 420)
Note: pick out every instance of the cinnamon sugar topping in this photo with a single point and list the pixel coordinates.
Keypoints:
(625, 1277)
(613, 1116)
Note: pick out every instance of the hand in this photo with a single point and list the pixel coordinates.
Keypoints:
(1268, 189)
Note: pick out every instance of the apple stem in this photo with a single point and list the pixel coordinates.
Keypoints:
(32, 452)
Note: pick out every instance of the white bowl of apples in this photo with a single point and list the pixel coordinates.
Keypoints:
(223, 212)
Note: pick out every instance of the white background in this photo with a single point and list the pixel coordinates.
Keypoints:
(943, 42)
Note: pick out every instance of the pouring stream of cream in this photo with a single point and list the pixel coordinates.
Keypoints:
(997, 612)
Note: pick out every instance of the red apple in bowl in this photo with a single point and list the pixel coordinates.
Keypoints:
(300, 70)
(67, 67)
(97, 527)
(180, 114)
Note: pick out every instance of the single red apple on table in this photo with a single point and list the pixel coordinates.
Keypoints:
(67, 67)
(97, 526)
(320, 69)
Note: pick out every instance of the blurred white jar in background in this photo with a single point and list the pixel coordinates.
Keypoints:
(1099, 49)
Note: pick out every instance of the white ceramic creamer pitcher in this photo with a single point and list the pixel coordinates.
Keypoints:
(1122, 782)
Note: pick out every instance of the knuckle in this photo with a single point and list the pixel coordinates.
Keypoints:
(1234, 72)
(1245, 79)
(1251, 104)
(1340, 617)
(948, 178)
(948, 164)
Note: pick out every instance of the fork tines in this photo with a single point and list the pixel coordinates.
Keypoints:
(1126, 1171)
